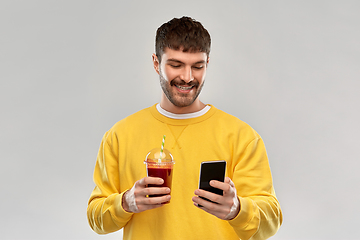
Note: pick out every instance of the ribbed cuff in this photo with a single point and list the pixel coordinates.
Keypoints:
(245, 213)
(120, 212)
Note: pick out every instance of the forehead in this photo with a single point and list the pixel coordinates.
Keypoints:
(185, 57)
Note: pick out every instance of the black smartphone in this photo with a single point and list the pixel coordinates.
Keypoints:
(211, 170)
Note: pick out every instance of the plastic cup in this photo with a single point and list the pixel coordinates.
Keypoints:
(160, 167)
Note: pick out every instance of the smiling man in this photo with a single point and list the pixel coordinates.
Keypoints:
(182, 76)
(196, 132)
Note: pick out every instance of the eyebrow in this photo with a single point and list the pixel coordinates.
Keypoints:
(177, 61)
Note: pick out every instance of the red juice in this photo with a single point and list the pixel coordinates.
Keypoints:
(161, 172)
(160, 163)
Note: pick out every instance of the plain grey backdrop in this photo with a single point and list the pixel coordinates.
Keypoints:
(69, 70)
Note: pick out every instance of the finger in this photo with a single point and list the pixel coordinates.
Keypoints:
(209, 195)
(228, 186)
(156, 190)
(153, 200)
(150, 180)
(205, 204)
(220, 185)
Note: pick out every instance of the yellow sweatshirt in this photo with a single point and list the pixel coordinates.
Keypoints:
(215, 135)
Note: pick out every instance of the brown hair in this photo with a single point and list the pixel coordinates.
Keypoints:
(185, 33)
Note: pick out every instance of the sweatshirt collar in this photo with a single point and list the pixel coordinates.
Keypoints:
(182, 116)
(185, 120)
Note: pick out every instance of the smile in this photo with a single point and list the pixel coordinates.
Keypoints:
(184, 88)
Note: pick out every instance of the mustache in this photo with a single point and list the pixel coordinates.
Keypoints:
(179, 82)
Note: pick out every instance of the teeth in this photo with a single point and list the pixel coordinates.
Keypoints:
(184, 88)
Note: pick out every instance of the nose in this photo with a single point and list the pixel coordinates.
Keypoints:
(187, 75)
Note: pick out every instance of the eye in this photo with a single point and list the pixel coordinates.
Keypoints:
(175, 66)
(198, 67)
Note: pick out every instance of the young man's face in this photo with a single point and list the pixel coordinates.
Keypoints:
(182, 75)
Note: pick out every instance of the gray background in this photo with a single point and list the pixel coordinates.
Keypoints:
(70, 69)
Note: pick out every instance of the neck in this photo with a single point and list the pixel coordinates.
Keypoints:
(196, 106)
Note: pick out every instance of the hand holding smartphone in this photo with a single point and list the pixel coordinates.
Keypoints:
(211, 170)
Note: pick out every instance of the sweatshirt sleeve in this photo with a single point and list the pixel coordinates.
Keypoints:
(105, 213)
(260, 214)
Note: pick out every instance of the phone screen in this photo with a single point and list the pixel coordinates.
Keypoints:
(212, 170)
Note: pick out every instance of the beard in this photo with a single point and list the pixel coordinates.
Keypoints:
(177, 98)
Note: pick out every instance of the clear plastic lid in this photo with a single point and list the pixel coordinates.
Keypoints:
(154, 156)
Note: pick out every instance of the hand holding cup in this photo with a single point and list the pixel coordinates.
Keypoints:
(136, 199)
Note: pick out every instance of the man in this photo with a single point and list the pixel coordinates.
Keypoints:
(195, 132)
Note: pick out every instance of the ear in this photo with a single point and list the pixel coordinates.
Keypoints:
(156, 63)
(207, 62)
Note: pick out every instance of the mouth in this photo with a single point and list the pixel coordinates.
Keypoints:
(184, 88)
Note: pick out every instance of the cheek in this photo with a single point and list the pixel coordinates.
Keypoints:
(169, 74)
(163, 74)
(200, 75)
